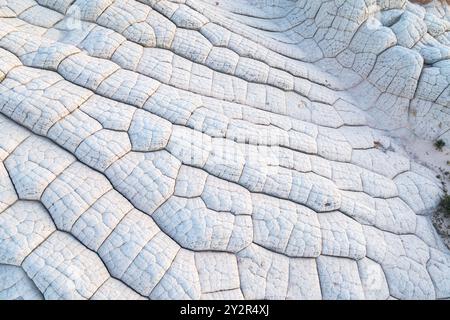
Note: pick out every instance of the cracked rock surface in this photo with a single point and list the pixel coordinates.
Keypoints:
(241, 149)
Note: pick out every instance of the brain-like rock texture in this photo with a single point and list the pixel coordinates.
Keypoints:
(239, 149)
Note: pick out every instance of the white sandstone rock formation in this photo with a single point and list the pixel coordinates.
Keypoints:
(210, 149)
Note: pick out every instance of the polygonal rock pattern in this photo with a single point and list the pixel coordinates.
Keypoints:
(200, 149)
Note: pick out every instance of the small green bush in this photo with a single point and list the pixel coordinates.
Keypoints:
(445, 204)
(439, 144)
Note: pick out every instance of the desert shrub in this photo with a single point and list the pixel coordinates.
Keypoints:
(439, 144)
(445, 204)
